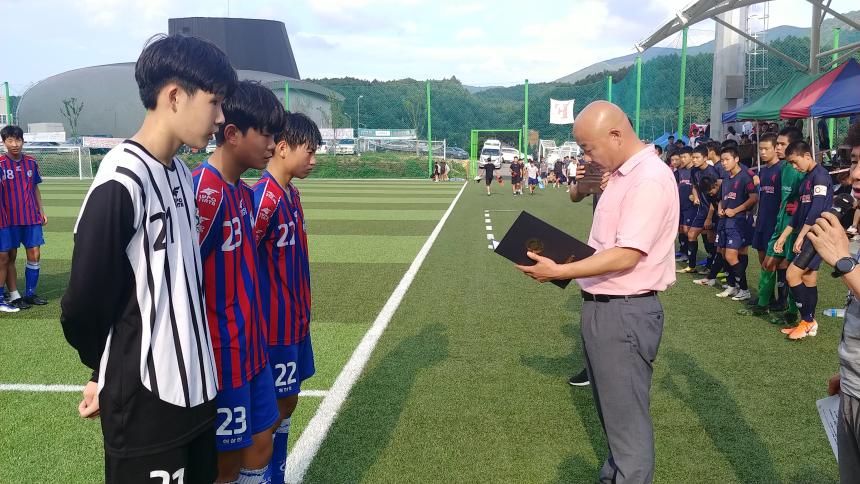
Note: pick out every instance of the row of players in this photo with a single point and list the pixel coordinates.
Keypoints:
(718, 201)
(195, 376)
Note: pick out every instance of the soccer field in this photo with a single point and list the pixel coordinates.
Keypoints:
(468, 382)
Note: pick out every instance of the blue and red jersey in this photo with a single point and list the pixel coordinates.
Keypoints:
(284, 270)
(685, 187)
(816, 196)
(736, 190)
(229, 257)
(770, 186)
(19, 179)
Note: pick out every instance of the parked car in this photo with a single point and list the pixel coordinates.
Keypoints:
(508, 154)
(322, 148)
(490, 155)
(345, 147)
(210, 147)
(456, 153)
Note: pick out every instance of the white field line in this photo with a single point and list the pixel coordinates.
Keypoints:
(308, 445)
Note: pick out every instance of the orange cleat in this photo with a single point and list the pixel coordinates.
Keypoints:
(803, 330)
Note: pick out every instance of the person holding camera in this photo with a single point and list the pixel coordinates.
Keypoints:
(830, 242)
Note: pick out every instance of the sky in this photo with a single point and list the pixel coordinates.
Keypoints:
(481, 43)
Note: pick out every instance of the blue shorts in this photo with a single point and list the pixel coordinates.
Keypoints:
(245, 411)
(293, 364)
(761, 238)
(698, 221)
(29, 235)
(687, 215)
(5, 239)
(732, 238)
(533, 181)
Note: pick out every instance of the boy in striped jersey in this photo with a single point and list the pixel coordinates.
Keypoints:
(22, 204)
(247, 409)
(284, 272)
(134, 306)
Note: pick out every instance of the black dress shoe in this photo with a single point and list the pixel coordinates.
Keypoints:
(35, 300)
(580, 379)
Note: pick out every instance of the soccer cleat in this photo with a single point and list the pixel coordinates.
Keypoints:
(704, 271)
(753, 311)
(7, 308)
(722, 275)
(742, 295)
(681, 258)
(686, 270)
(788, 330)
(20, 303)
(728, 292)
(35, 300)
(803, 330)
(705, 282)
(580, 379)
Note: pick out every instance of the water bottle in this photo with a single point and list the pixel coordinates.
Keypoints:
(834, 312)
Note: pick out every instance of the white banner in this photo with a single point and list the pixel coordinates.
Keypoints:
(561, 112)
(342, 133)
(98, 142)
(56, 137)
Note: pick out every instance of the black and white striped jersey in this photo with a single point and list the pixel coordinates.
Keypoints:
(134, 307)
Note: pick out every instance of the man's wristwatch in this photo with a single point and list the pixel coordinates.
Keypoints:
(844, 266)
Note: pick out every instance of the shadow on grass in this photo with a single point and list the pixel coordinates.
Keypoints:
(561, 366)
(720, 417)
(364, 426)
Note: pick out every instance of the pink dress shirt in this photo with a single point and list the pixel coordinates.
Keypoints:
(638, 210)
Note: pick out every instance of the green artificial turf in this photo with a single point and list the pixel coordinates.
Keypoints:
(355, 264)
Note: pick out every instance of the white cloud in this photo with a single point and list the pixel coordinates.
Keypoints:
(470, 33)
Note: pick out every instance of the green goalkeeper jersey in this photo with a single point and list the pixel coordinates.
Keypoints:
(790, 180)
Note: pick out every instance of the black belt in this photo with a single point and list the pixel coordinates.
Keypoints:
(587, 296)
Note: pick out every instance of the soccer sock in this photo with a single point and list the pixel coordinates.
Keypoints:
(741, 271)
(739, 274)
(782, 292)
(711, 249)
(2, 294)
(279, 451)
(31, 278)
(14, 295)
(799, 293)
(692, 253)
(682, 243)
(812, 300)
(766, 283)
(716, 266)
(730, 275)
(253, 476)
(792, 303)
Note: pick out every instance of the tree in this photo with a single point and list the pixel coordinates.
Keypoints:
(71, 110)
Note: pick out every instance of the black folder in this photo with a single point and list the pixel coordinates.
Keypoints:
(529, 233)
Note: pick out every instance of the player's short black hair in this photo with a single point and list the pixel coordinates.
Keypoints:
(768, 138)
(792, 133)
(252, 105)
(701, 150)
(686, 150)
(732, 150)
(714, 146)
(798, 148)
(671, 137)
(193, 63)
(659, 149)
(299, 129)
(12, 131)
(728, 143)
(706, 184)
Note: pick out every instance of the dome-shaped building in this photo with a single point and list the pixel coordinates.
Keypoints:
(258, 49)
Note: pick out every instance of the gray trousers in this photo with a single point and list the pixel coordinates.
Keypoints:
(620, 338)
(847, 438)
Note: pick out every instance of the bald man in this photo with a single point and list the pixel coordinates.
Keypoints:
(633, 232)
